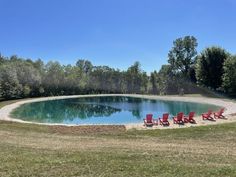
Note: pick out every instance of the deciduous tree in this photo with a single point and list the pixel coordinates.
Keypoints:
(182, 55)
(209, 67)
(229, 76)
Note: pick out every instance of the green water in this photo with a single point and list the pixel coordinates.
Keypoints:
(103, 110)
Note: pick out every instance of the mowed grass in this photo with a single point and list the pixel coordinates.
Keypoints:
(6, 102)
(36, 150)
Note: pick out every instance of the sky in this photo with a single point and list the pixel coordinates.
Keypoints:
(113, 32)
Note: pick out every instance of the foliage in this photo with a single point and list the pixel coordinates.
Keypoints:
(182, 55)
(10, 86)
(85, 66)
(21, 78)
(134, 78)
(229, 76)
(54, 79)
(209, 67)
(154, 81)
(165, 80)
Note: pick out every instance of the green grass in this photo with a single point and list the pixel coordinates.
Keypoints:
(6, 102)
(34, 150)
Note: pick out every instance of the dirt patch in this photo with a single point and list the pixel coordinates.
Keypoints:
(88, 129)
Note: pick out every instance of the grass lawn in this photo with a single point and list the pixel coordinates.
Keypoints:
(38, 150)
(35, 150)
(4, 103)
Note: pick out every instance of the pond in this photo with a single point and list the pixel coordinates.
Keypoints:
(106, 110)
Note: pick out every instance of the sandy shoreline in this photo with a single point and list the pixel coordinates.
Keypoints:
(229, 105)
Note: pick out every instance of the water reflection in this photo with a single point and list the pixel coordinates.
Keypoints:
(61, 110)
(102, 110)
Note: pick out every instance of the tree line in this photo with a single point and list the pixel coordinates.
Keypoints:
(186, 72)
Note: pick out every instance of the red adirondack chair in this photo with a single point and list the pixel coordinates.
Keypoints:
(219, 114)
(148, 121)
(179, 118)
(189, 118)
(164, 120)
(207, 115)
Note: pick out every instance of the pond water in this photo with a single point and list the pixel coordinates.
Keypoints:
(103, 110)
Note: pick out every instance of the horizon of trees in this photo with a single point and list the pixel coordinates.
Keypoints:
(186, 72)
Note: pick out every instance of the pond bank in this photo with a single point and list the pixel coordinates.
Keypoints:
(226, 103)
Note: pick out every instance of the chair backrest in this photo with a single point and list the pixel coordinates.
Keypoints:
(165, 117)
(222, 110)
(149, 118)
(180, 116)
(209, 112)
(191, 115)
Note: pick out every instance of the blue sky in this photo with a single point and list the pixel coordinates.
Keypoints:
(112, 32)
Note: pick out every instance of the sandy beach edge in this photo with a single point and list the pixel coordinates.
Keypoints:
(229, 105)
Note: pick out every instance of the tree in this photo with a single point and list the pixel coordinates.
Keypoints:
(209, 67)
(39, 65)
(134, 78)
(100, 79)
(85, 66)
(2, 59)
(229, 76)
(72, 80)
(144, 82)
(117, 81)
(154, 80)
(10, 87)
(166, 81)
(182, 55)
(28, 76)
(53, 81)
(26, 91)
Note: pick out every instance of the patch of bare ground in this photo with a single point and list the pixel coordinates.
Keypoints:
(84, 130)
